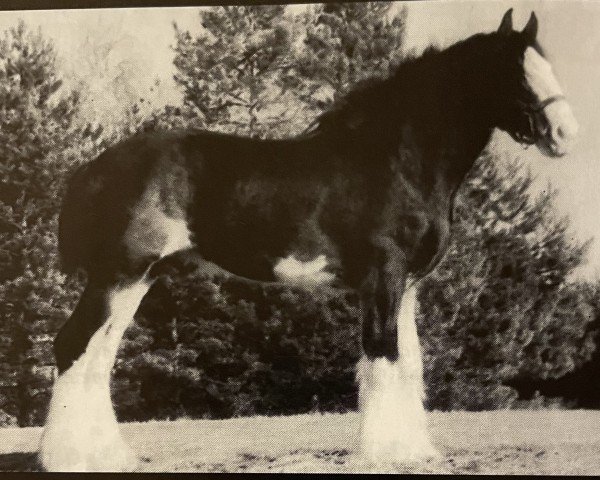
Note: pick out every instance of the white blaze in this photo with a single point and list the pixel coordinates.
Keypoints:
(539, 75)
(540, 78)
(393, 422)
(82, 433)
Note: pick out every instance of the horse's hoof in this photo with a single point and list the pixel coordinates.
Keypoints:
(409, 454)
(91, 458)
(416, 455)
(62, 464)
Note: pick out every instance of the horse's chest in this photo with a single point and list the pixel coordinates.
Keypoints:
(419, 224)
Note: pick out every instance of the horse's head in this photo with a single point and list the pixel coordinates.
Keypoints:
(532, 106)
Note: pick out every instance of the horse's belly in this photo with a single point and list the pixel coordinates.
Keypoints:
(273, 260)
(271, 236)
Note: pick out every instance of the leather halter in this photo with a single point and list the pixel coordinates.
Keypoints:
(544, 103)
(531, 110)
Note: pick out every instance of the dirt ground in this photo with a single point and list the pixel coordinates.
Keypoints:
(502, 442)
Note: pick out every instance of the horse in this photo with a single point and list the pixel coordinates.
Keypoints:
(362, 201)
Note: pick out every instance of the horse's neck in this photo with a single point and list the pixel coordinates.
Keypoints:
(441, 146)
(450, 137)
(432, 114)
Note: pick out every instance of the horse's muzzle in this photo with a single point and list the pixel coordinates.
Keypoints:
(557, 129)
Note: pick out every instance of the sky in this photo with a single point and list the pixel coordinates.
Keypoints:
(140, 43)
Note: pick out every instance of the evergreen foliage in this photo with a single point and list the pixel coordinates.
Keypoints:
(36, 130)
(503, 304)
(235, 348)
(344, 44)
(258, 71)
(233, 74)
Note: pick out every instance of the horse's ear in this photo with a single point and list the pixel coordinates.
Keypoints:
(506, 25)
(531, 29)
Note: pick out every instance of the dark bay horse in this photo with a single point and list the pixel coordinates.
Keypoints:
(362, 201)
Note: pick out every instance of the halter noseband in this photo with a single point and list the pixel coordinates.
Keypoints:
(531, 110)
(544, 103)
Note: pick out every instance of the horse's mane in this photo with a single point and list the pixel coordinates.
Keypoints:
(376, 101)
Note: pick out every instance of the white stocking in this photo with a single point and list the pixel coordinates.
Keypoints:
(393, 422)
(81, 432)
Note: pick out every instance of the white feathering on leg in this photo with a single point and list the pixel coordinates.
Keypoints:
(393, 421)
(82, 433)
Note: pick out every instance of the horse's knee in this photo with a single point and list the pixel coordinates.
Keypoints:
(380, 339)
(379, 329)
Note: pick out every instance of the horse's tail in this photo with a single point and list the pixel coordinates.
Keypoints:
(74, 225)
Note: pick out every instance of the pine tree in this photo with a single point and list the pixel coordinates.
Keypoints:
(231, 74)
(36, 127)
(503, 304)
(345, 44)
(259, 71)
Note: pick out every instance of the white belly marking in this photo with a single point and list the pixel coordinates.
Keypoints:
(311, 273)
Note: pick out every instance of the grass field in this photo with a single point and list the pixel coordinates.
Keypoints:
(502, 442)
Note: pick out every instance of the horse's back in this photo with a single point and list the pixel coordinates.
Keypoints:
(132, 197)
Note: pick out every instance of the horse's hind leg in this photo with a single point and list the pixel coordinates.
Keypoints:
(81, 432)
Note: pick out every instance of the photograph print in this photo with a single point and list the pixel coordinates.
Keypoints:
(325, 237)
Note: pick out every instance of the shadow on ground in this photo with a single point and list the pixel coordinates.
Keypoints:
(20, 462)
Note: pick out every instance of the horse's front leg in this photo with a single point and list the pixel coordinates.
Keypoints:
(390, 373)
